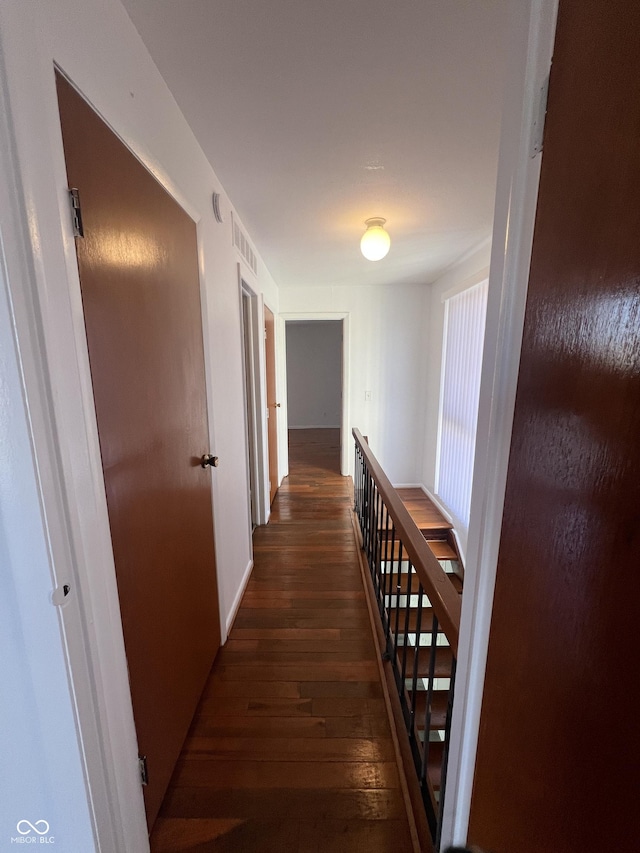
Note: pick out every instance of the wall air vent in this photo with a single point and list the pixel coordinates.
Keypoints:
(242, 244)
(217, 211)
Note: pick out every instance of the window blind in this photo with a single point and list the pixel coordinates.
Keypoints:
(464, 324)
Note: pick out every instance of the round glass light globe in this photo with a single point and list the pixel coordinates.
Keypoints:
(375, 241)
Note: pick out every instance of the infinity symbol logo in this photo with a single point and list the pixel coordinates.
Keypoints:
(41, 827)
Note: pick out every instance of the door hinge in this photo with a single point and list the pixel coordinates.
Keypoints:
(265, 333)
(537, 128)
(76, 213)
(144, 771)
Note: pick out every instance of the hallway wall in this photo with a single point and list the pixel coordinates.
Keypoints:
(387, 369)
(41, 758)
(96, 45)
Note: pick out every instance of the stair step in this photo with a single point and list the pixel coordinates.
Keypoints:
(439, 703)
(389, 550)
(442, 549)
(425, 620)
(402, 580)
(423, 511)
(456, 580)
(443, 663)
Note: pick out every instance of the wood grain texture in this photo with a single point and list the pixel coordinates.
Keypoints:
(138, 266)
(559, 748)
(291, 748)
(424, 512)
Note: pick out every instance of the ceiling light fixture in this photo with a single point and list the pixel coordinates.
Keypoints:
(375, 240)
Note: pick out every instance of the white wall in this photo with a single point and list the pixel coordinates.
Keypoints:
(42, 774)
(470, 270)
(387, 362)
(96, 45)
(314, 373)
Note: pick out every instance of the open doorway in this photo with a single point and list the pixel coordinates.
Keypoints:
(314, 393)
(251, 331)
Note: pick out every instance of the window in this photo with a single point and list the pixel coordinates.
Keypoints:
(464, 321)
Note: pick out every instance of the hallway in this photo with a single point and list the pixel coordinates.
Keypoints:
(290, 748)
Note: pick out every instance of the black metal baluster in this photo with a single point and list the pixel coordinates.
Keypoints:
(407, 612)
(372, 516)
(416, 660)
(356, 485)
(389, 585)
(361, 458)
(367, 497)
(385, 579)
(363, 497)
(382, 547)
(370, 520)
(445, 750)
(432, 670)
(397, 614)
(375, 546)
(375, 565)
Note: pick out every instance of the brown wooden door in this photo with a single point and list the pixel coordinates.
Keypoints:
(138, 267)
(559, 750)
(272, 404)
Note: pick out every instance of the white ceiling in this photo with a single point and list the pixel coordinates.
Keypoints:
(317, 114)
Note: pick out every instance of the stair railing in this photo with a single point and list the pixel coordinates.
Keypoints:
(420, 613)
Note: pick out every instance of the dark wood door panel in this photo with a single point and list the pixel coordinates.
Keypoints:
(558, 748)
(138, 265)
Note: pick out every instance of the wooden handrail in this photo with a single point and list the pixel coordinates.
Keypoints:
(437, 586)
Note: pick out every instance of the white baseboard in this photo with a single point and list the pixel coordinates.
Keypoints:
(238, 598)
(438, 503)
(460, 540)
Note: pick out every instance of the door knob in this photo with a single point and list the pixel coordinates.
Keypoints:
(208, 459)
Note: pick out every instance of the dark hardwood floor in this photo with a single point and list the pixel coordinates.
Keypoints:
(290, 749)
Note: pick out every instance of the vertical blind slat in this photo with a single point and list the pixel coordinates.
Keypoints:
(462, 362)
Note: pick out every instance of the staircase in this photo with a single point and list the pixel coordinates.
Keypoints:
(438, 533)
(416, 583)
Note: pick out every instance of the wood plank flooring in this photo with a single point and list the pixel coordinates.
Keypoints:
(290, 749)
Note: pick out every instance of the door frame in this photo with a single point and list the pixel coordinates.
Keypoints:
(277, 410)
(531, 49)
(53, 356)
(255, 396)
(345, 421)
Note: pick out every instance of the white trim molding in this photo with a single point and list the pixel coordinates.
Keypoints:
(233, 610)
(49, 331)
(255, 430)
